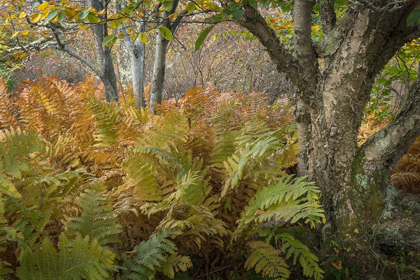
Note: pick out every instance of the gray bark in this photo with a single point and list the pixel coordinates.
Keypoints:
(136, 54)
(103, 55)
(159, 66)
(331, 100)
(158, 76)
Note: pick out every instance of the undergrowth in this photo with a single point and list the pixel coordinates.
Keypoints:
(92, 190)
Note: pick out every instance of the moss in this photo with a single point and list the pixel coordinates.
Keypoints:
(362, 202)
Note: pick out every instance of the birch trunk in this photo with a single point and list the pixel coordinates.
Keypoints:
(356, 190)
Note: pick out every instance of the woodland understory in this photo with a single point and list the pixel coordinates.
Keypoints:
(243, 140)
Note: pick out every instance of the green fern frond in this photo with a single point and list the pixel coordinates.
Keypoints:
(299, 251)
(289, 199)
(16, 147)
(97, 220)
(29, 228)
(150, 257)
(265, 259)
(175, 263)
(80, 259)
(248, 160)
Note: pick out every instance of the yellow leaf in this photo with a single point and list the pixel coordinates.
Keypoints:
(22, 15)
(172, 16)
(83, 27)
(24, 33)
(15, 34)
(337, 264)
(356, 230)
(42, 6)
(36, 17)
(143, 37)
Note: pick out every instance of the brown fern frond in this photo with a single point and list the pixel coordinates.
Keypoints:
(406, 181)
(9, 112)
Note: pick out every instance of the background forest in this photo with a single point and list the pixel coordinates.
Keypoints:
(164, 140)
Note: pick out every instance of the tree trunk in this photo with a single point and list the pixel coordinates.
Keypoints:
(136, 53)
(159, 67)
(330, 102)
(103, 55)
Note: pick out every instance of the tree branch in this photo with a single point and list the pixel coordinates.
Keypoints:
(72, 53)
(305, 52)
(328, 16)
(256, 24)
(387, 146)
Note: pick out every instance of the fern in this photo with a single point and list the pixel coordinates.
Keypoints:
(294, 248)
(30, 227)
(289, 199)
(166, 131)
(97, 219)
(106, 118)
(8, 109)
(16, 147)
(175, 263)
(265, 259)
(79, 259)
(152, 256)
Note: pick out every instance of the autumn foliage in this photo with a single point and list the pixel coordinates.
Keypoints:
(141, 196)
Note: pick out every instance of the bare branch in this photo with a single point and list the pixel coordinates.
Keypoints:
(328, 16)
(256, 24)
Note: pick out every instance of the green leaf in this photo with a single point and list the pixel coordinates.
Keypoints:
(202, 37)
(216, 19)
(61, 16)
(167, 5)
(143, 38)
(93, 18)
(109, 40)
(114, 24)
(165, 32)
(413, 18)
(237, 14)
(83, 14)
(190, 7)
(52, 15)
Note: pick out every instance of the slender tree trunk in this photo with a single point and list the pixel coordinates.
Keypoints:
(103, 55)
(159, 68)
(136, 53)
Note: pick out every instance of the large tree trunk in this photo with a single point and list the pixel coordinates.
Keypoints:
(331, 98)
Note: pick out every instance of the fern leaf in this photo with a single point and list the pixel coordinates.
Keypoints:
(294, 248)
(265, 259)
(79, 259)
(175, 263)
(289, 199)
(150, 257)
(97, 219)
